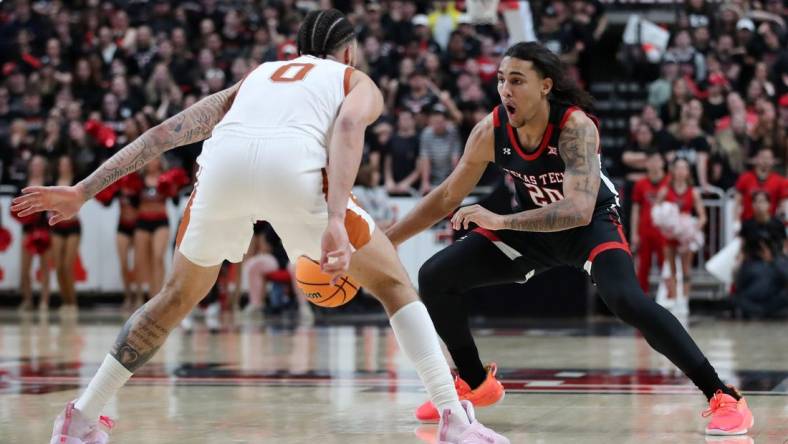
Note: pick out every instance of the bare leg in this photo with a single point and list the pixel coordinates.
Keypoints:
(377, 267)
(58, 255)
(142, 266)
(159, 245)
(123, 243)
(69, 259)
(256, 269)
(25, 280)
(670, 257)
(148, 327)
(686, 269)
(146, 330)
(45, 258)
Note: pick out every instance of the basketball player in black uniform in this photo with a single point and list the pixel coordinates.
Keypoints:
(541, 135)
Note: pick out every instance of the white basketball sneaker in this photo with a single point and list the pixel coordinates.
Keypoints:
(451, 431)
(73, 428)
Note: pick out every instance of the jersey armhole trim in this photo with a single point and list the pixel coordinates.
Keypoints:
(346, 80)
(567, 113)
(496, 117)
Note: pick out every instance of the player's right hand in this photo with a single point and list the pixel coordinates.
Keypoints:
(62, 202)
(335, 249)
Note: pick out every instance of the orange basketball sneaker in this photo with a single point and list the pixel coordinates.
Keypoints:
(728, 416)
(490, 392)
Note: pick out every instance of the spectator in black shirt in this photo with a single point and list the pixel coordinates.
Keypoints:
(416, 97)
(680, 95)
(634, 156)
(86, 85)
(401, 169)
(762, 279)
(693, 147)
(25, 19)
(129, 98)
(422, 35)
(768, 133)
(715, 107)
(691, 61)
(664, 141)
(380, 65)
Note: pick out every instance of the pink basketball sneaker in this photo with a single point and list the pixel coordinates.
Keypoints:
(452, 431)
(728, 416)
(490, 392)
(73, 428)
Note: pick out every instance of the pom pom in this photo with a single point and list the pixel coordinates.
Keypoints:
(676, 226)
(131, 184)
(103, 134)
(26, 220)
(172, 181)
(5, 239)
(106, 195)
(38, 241)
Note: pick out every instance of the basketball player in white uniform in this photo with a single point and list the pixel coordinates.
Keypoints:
(270, 139)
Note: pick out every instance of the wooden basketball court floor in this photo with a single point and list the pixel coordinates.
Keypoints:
(263, 382)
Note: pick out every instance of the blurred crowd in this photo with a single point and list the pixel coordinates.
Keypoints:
(719, 105)
(82, 78)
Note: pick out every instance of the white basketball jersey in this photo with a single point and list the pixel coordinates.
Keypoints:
(290, 98)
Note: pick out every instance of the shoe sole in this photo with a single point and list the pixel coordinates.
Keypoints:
(63, 439)
(716, 432)
(437, 420)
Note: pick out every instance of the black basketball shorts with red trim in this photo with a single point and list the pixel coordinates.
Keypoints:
(532, 253)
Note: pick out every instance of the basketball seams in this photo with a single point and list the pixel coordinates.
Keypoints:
(320, 289)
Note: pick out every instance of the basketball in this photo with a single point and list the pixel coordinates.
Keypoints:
(317, 285)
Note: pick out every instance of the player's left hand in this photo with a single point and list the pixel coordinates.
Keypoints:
(478, 215)
(335, 249)
(62, 202)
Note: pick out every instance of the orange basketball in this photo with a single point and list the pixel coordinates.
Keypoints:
(317, 285)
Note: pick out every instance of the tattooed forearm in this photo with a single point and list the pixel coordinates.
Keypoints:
(191, 125)
(577, 146)
(578, 149)
(139, 340)
(558, 216)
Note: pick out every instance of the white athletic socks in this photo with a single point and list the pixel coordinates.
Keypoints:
(417, 337)
(109, 378)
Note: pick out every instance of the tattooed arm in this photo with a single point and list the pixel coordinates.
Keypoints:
(578, 148)
(191, 125)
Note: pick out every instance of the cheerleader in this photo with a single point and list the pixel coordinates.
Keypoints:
(65, 242)
(679, 191)
(128, 193)
(152, 231)
(36, 241)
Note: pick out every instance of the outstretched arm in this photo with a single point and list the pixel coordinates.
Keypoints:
(578, 148)
(446, 197)
(191, 125)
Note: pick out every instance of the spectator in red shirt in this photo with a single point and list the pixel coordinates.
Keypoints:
(760, 177)
(646, 239)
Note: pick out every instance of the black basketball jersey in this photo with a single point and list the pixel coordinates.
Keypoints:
(539, 175)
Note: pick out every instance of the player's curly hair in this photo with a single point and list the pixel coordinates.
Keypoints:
(547, 64)
(323, 32)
